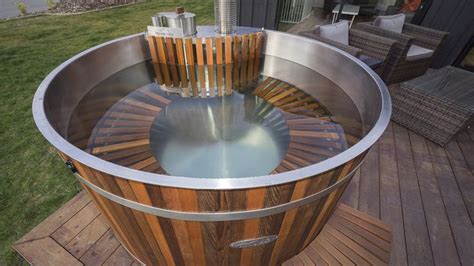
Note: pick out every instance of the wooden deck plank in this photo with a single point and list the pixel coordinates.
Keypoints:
(464, 175)
(58, 218)
(101, 250)
(119, 257)
(369, 197)
(461, 226)
(353, 256)
(390, 201)
(351, 195)
(467, 146)
(87, 237)
(364, 239)
(416, 233)
(442, 242)
(353, 245)
(71, 228)
(45, 251)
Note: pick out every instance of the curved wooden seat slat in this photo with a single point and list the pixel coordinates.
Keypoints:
(120, 146)
(120, 138)
(117, 155)
(132, 159)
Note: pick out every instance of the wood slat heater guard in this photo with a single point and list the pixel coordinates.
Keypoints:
(206, 66)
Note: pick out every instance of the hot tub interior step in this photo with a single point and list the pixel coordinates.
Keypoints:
(349, 237)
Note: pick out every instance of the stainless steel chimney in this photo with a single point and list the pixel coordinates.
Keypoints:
(225, 12)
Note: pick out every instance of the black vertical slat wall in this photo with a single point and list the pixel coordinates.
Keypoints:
(258, 13)
(455, 17)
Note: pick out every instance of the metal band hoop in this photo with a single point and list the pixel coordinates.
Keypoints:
(218, 216)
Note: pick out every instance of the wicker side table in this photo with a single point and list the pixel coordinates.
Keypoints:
(436, 105)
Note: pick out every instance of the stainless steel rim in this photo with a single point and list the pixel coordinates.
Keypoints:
(213, 184)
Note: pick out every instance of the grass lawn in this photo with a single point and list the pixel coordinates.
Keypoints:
(33, 181)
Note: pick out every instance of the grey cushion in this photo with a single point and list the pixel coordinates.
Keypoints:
(392, 23)
(416, 52)
(338, 32)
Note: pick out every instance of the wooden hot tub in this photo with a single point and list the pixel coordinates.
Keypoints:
(168, 219)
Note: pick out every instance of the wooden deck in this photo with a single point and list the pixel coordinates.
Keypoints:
(76, 234)
(424, 191)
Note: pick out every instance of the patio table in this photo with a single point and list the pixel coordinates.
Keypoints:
(350, 10)
(436, 105)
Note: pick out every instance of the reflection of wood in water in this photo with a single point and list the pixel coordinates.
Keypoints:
(163, 61)
(123, 134)
(187, 65)
(210, 67)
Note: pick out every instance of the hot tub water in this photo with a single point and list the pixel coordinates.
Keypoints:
(239, 135)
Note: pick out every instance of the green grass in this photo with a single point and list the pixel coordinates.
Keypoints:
(33, 181)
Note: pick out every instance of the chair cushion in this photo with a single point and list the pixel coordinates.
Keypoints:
(338, 32)
(416, 52)
(392, 23)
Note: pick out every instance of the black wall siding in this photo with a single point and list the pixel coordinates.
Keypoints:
(258, 13)
(455, 17)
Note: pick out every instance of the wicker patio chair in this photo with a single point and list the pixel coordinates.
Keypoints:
(399, 67)
(362, 44)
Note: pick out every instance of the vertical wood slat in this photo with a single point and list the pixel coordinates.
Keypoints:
(114, 215)
(228, 65)
(141, 220)
(200, 61)
(243, 69)
(298, 193)
(237, 60)
(210, 66)
(143, 197)
(220, 80)
(191, 67)
(189, 203)
(155, 60)
(258, 51)
(170, 48)
(105, 210)
(219, 62)
(124, 216)
(163, 61)
(251, 60)
(171, 198)
(182, 66)
(329, 204)
(255, 200)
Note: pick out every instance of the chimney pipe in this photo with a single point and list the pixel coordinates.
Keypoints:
(225, 12)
